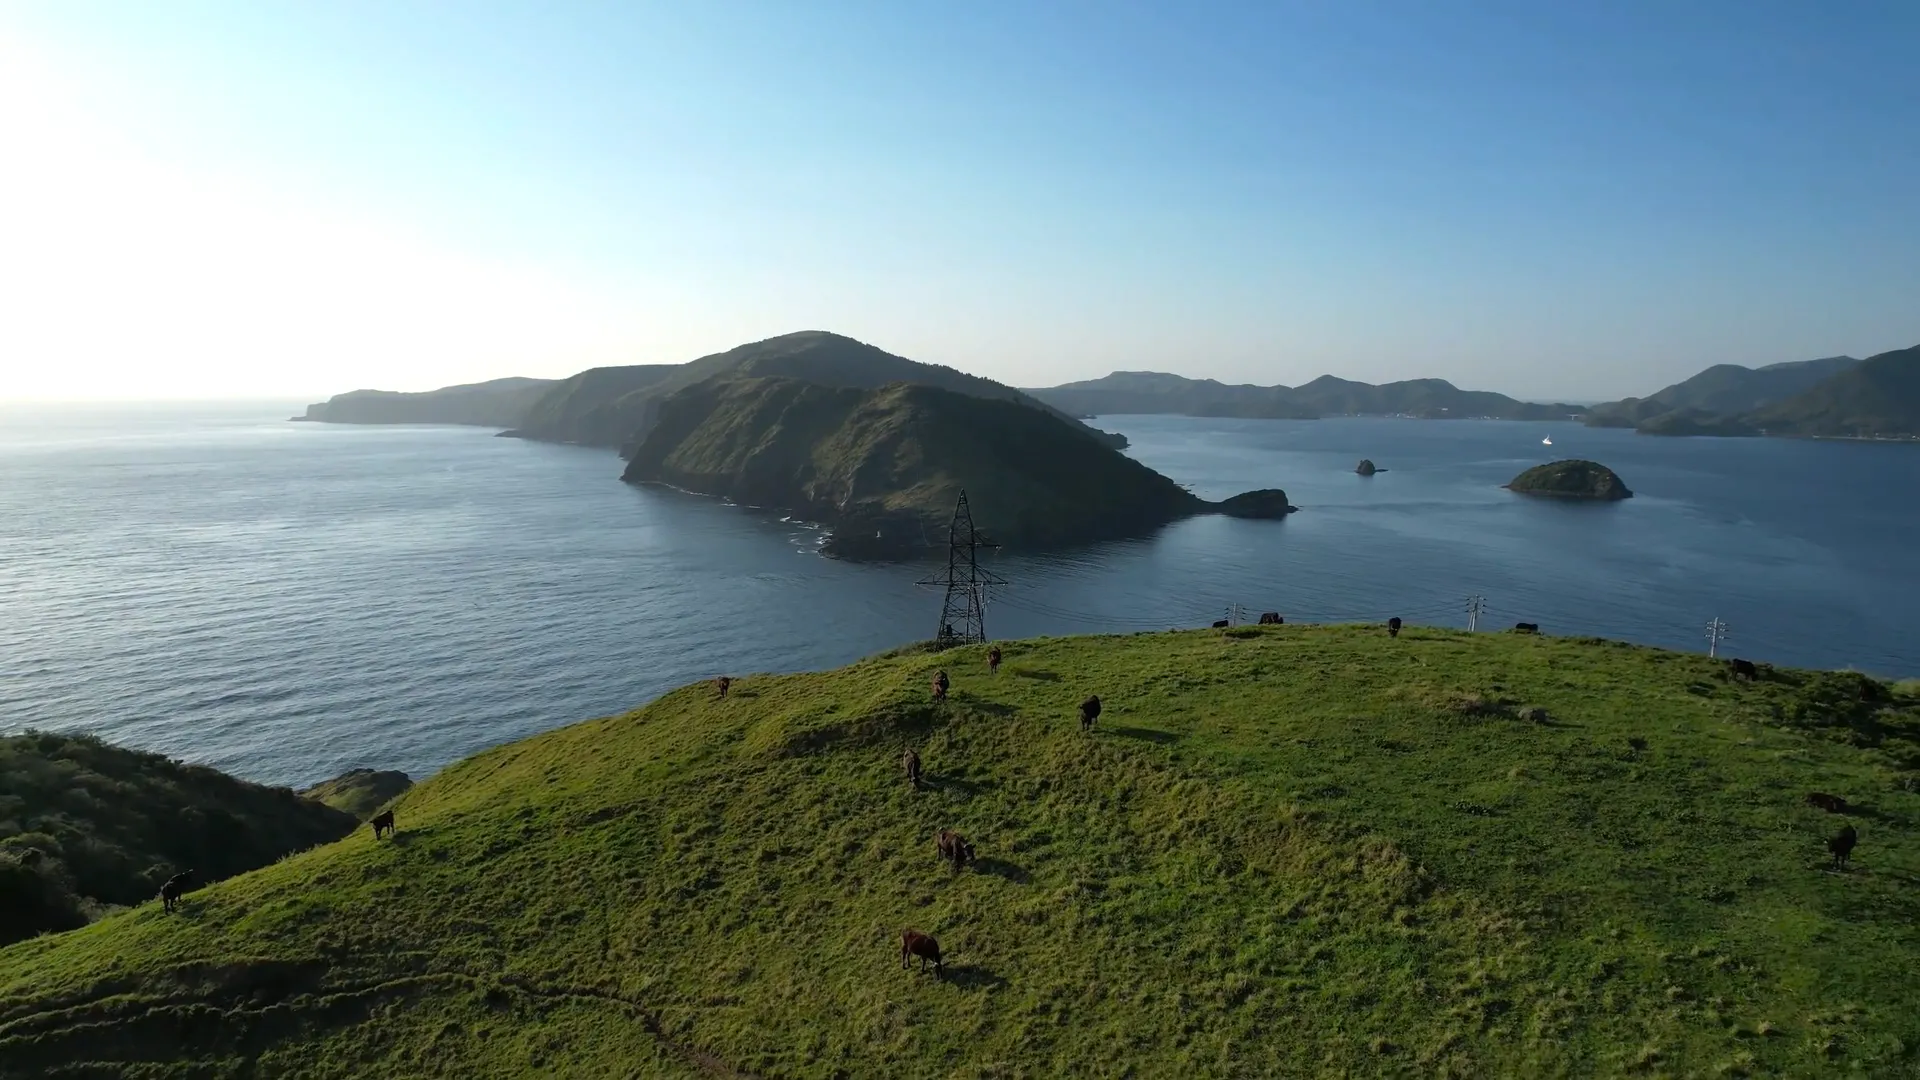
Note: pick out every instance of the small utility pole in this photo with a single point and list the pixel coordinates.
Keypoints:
(1716, 633)
(1475, 605)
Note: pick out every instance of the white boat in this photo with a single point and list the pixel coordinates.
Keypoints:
(1548, 441)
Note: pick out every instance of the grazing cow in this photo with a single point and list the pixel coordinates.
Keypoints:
(1219, 624)
(1271, 618)
(993, 660)
(1639, 744)
(171, 889)
(1089, 712)
(910, 762)
(940, 685)
(1832, 804)
(723, 684)
(914, 943)
(1842, 846)
(382, 822)
(1743, 669)
(954, 848)
(1393, 626)
(1526, 627)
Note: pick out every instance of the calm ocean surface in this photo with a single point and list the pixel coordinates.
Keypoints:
(287, 601)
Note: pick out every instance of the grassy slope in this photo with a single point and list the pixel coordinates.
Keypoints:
(1286, 851)
(360, 792)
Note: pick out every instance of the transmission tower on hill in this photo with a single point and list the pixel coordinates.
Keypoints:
(963, 615)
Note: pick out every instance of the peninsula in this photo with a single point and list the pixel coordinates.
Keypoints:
(1159, 393)
(1835, 397)
(884, 467)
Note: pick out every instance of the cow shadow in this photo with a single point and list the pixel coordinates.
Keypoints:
(959, 785)
(1161, 738)
(990, 708)
(1001, 868)
(1041, 676)
(974, 978)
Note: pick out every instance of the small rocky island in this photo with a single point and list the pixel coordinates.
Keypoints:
(1365, 468)
(1571, 479)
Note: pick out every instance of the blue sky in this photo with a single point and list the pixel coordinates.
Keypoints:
(1552, 200)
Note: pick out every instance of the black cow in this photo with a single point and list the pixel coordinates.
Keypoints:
(1393, 626)
(1526, 628)
(914, 943)
(1743, 669)
(910, 762)
(1089, 712)
(171, 889)
(1832, 804)
(1219, 624)
(1842, 846)
(382, 822)
(1271, 618)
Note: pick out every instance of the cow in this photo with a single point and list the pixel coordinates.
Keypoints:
(940, 685)
(1271, 618)
(382, 822)
(1842, 846)
(1526, 628)
(910, 762)
(1089, 712)
(1638, 744)
(1219, 624)
(1832, 804)
(993, 660)
(171, 889)
(1393, 627)
(954, 848)
(914, 943)
(723, 684)
(1743, 669)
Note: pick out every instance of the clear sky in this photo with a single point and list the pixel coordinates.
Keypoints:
(1554, 200)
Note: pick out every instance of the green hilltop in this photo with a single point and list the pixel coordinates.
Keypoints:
(1281, 851)
(884, 467)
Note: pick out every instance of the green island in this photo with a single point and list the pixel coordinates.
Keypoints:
(884, 467)
(1571, 479)
(1280, 851)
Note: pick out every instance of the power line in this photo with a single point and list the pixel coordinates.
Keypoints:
(963, 612)
(1475, 605)
(1716, 632)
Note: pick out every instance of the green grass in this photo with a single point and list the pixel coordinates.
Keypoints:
(360, 792)
(1286, 851)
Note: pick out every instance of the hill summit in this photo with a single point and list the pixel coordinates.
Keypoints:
(1280, 851)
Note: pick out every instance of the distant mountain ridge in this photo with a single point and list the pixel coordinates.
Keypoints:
(498, 403)
(884, 466)
(1834, 397)
(1155, 392)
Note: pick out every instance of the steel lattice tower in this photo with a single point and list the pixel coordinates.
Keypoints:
(963, 614)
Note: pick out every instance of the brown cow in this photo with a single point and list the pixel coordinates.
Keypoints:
(382, 822)
(914, 943)
(940, 685)
(1393, 626)
(171, 889)
(1832, 804)
(1089, 712)
(910, 762)
(993, 660)
(722, 684)
(1842, 846)
(953, 848)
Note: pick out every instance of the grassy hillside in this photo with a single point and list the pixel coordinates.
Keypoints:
(892, 461)
(360, 792)
(616, 406)
(1878, 397)
(500, 403)
(1723, 390)
(86, 827)
(1283, 851)
(1154, 392)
